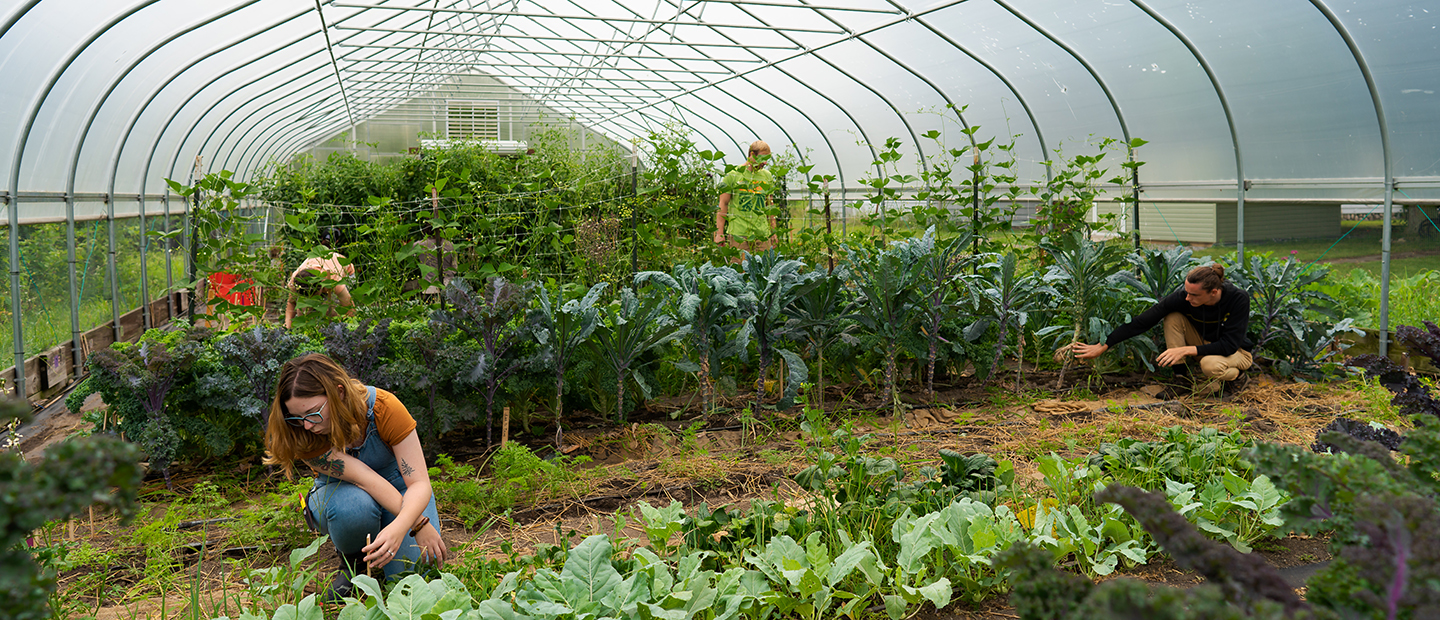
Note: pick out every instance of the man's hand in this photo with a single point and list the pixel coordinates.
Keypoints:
(1088, 351)
(1177, 355)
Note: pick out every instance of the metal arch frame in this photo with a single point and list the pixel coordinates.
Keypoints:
(17, 159)
(1229, 120)
(1114, 105)
(818, 130)
(1000, 75)
(1389, 162)
(76, 149)
(879, 169)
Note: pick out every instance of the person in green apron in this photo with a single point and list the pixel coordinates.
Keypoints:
(741, 221)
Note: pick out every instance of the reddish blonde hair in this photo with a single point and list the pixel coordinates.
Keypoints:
(308, 376)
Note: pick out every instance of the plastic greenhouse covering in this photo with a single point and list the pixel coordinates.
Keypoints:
(1251, 102)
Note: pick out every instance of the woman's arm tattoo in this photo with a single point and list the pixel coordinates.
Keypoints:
(405, 468)
(324, 462)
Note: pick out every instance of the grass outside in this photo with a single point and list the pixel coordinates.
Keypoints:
(1359, 240)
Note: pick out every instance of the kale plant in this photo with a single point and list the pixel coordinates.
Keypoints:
(1282, 293)
(717, 306)
(495, 319)
(629, 329)
(72, 475)
(1363, 431)
(430, 367)
(1004, 298)
(249, 364)
(361, 350)
(1412, 396)
(775, 282)
(822, 316)
(941, 267)
(139, 377)
(1081, 276)
(562, 327)
(888, 304)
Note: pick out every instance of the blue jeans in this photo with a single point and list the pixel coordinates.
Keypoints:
(348, 514)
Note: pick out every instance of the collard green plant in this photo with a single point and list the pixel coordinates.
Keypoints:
(70, 476)
(494, 317)
(716, 305)
(805, 579)
(776, 282)
(629, 329)
(562, 326)
(1233, 509)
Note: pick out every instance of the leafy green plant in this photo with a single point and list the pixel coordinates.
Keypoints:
(1081, 274)
(138, 378)
(360, 349)
(715, 304)
(70, 476)
(822, 316)
(285, 584)
(1236, 510)
(223, 236)
(562, 326)
(886, 285)
(941, 265)
(805, 579)
(1004, 297)
(490, 317)
(249, 364)
(1284, 294)
(629, 329)
(775, 282)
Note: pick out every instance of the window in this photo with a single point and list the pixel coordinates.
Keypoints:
(472, 120)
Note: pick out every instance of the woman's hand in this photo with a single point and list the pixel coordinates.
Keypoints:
(384, 547)
(432, 545)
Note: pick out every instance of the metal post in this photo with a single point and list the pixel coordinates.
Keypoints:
(17, 332)
(112, 269)
(975, 200)
(1385, 265)
(634, 207)
(169, 273)
(1135, 189)
(1240, 218)
(76, 352)
(144, 268)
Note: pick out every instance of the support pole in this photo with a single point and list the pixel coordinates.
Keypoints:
(148, 321)
(112, 269)
(634, 208)
(17, 331)
(1135, 196)
(1385, 265)
(76, 351)
(169, 272)
(975, 202)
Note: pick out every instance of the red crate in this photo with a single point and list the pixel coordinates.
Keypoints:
(222, 283)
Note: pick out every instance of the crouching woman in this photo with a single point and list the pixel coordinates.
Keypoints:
(372, 491)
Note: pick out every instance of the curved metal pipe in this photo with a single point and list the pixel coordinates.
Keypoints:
(1229, 120)
(16, 159)
(1389, 166)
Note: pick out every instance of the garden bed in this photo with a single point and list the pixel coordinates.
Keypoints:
(718, 462)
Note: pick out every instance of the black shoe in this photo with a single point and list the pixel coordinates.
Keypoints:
(341, 587)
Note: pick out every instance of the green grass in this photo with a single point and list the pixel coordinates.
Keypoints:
(1363, 240)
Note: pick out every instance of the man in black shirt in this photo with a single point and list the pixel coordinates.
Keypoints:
(1206, 320)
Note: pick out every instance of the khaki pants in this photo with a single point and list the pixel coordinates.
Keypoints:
(1179, 332)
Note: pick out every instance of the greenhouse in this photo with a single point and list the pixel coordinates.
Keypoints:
(723, 308)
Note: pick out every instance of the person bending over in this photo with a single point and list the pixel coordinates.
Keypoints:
(741, 221)
(1207, 319)
(320, 276)
(372, 492)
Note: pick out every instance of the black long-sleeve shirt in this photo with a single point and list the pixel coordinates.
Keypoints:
(1223, 325)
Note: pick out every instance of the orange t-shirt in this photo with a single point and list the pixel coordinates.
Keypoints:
(392, 421)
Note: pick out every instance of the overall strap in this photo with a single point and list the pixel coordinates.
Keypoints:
(370, 401)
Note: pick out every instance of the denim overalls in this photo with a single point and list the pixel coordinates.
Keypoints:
(347, 513)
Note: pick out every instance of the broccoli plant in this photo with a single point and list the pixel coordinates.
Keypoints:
(562, 326)
(629, 329)
(716, 306)
(495, 319)
(775, 282)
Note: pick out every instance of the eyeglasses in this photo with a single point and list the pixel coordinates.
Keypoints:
(313, 417)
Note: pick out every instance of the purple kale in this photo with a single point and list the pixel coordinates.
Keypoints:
(1411, 396)
(1425, 342)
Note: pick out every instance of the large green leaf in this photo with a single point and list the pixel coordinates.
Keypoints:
(588, 570)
